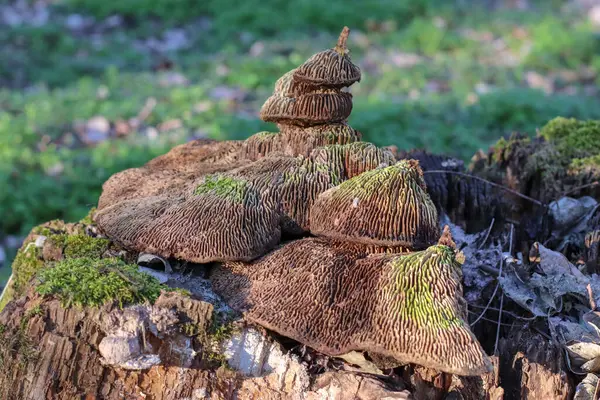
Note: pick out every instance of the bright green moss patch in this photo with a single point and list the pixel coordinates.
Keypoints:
(79, 245)
(85, 246)
(573, 135)
(592, 162)
(92, 282)
(26, 264)
(415, 275)
(370, 182)
(226, 187)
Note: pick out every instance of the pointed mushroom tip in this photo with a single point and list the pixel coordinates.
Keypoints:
(446, 238)
(342, 40)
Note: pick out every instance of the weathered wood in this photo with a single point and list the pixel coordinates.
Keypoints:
(532, 367)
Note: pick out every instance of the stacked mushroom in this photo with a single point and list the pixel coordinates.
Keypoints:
(372, 279)
(334, 293)
(218, 201)
(308, 103)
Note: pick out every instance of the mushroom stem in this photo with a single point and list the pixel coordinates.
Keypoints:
(341, 46)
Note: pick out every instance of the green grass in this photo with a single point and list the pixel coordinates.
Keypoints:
(55, 79)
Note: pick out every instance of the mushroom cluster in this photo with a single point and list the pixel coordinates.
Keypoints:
(371, 275)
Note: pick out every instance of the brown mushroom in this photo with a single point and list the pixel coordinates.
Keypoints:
(317, 107)
(330, 68)
(234, 215)
(386, 207)
(223, 219)
(407, 307)
(169, 172)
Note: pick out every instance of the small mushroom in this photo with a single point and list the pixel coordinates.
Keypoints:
(387, 207)
(318, 106)
(405, 307)
(330, 68)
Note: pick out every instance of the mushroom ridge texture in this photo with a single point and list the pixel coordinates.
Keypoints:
(407, 307)
(384, 207)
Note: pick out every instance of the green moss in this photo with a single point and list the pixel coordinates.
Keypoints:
(503, 147)
(414, 275)
(85, 246)
(370, 182)
(79, 245)
(26, 264)
(88, 219)
(226, 187)
(579, 164)
(573, 136)
(92, 282)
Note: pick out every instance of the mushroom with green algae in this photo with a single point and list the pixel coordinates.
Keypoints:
(405, 307)
(336, 295)
(317, 125)
(205, 201)
(387, 207)
(232, 202)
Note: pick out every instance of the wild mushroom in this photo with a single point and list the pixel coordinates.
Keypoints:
(166, 173)
(405, 307)
(323, 107)
(233, 202)
(330, 68)
(386, 207)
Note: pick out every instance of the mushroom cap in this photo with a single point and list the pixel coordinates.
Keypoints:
(330, 68)
(407, 307)
(302, 141)
(222, 219)
(233, 215)
(170, 172)
(315, 108)
(356, 157)
(384, 207)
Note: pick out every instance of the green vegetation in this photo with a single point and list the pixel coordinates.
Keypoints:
(448, 76)
(77, 246)
(573, 136)
(26, 264)
(94, 282)
(226, 187)
(413, 275)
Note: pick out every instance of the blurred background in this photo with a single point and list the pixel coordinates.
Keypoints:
(91, 87)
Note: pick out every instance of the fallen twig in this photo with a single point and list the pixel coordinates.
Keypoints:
(487, 235)
(512, 229)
